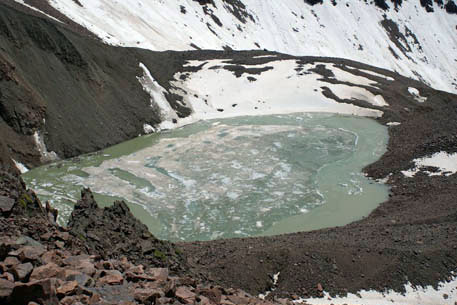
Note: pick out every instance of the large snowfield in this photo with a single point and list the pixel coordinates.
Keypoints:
(425, 47)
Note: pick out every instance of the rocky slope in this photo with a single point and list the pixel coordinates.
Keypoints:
(414, 38)
(64, 91)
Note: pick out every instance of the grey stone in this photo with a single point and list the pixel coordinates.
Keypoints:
(22, 271)
(6, 204)
(6, 288)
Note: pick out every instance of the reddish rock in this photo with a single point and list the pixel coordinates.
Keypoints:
(159, 274)
(319, 287)
(29, 253)
(185, 295)
(11, 261)
(77, 300)
(237, 299)
(95, 299)
(81, 263)
(83, 279)
(76, 259)
(67, 288)
(137, 269)
(65, 274)
(145, 295)
(63, 235)
(6, 204)
(53, 256)
(86, 267)
(22, 271)
(111, 277)
(46, 236)
(46, 271)
(170, 288)
(163, 301)
(123, 264)
(44, 292)
(186, 281)
(3, 268)
(7, 276)
(6, 288)
(60, 244)
(285, 301)
(204, 300)
(133, 277)
(214, 294)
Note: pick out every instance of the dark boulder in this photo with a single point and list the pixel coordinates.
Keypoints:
(114, 232)
(42, 291)
(6, 288)
(6, 205)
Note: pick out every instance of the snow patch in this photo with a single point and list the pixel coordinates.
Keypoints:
(353, 92)
(377, 74)
(37, 10)
(214, 92)
(393, 124)
(344, 76)
(46, 156)
(275, 284)
(158, 101)
(414, 92)
(446, 294)
(21, 167)
(148, 129)
(446, 164)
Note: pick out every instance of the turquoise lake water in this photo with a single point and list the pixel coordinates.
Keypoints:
(238, 177)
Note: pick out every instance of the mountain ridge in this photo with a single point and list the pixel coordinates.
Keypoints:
(386, 34)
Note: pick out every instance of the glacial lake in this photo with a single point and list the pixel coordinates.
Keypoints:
(238, 177)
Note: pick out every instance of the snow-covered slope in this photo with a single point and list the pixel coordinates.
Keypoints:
(406, 39)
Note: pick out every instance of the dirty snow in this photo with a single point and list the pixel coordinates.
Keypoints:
(41, 146)
(393, 124)
(446, 294)
(446, 163)
(158, 101)
(21, 167)
(214, 92)
(414, 92)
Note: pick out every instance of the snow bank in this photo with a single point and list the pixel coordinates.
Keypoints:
(21, 167)
(446, 294)
(46, 155)
(37, 10)
(158, 102)
(352, 31)
(393, 124)
(414, 92)
(446, 164)
(215, 92)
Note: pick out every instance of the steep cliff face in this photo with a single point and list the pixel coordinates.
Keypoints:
(415, 38)
(63, 92)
